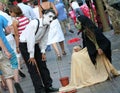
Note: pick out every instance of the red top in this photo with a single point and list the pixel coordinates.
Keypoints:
(22, 22)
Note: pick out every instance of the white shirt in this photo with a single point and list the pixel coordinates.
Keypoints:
(28, 36)
(75, 5)
(27, 11)
(36, 11)
(9, 19)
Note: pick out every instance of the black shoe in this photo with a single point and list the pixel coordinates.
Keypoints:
(22, 74)
(64, 53)
(18, 88)
(42, 90)
(71, 31)
(51, 89)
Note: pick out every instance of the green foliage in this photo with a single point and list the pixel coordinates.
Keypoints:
(4, 1)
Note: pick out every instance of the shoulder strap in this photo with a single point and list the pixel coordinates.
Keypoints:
(41, 7)
(51, 5)
(37, 26)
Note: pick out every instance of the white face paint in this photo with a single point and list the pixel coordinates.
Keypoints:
(48, 18)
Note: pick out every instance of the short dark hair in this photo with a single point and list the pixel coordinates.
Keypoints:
(44, 0)
(35, 2)
(19, 1)
(49, 10)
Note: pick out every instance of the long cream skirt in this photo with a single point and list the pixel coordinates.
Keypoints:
(84, 73)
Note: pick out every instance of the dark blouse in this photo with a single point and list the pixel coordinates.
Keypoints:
(102, 41)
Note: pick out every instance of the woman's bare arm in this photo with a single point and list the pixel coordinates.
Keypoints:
(4, 49)
(54, 8)
(15, 23)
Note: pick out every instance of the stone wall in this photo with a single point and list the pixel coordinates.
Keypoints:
(111, 2)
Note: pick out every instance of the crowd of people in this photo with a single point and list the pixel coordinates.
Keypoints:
(26, 31)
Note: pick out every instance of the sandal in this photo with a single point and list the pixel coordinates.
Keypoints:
(64, 53)
(59, 57)
(4, 86)
(71, 31)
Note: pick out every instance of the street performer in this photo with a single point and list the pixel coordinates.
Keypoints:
(32, 46)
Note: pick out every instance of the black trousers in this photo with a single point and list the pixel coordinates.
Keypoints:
(45, 74)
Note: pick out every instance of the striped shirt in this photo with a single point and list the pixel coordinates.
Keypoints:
(22, 22)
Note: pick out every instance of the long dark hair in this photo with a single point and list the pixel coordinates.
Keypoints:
(88, 28)
(86, 22)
